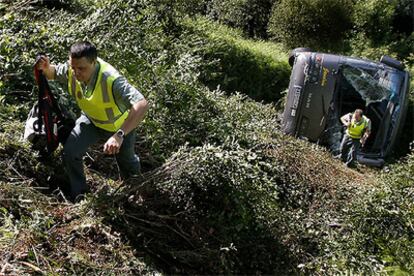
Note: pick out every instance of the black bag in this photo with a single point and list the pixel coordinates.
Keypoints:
(46, 125)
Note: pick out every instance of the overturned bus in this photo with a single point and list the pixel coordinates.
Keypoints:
(323, 87)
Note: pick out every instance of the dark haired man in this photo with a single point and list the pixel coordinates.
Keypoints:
(358, 129)
(111, 110)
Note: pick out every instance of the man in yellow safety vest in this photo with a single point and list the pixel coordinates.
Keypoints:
(111, 110)
(358, 129)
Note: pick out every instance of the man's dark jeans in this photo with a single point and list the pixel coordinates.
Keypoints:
(83, 135)
(349, 149)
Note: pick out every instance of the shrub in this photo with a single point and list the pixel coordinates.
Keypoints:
(374, 18)
(318, 24)
(248, 15)
(257, 69)
(188, 114)
(379, 231)
(235, 210)
(384, 24)
(42, 235)
(403, 21)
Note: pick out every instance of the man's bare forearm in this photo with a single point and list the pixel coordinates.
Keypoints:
(135, 116)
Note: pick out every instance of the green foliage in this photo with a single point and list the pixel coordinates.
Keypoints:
(318, 24)
(383, 27)
(374, 18)
(192, 115)
(403, 21)
(226, 192)
(234, 189)
(379, 232)
(251, 16)
(39, 235)
(257, 69)
(20, 41)
(49, 4)
(232, 209)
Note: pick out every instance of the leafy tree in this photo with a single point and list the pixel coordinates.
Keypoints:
(373, 18)
(388, 24)
(319, 24)
(251, 16)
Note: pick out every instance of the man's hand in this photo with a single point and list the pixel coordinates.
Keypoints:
(113, 144)
(346, 120)
(48, 69)
(362, 141)
(43, 63)
(364, 138)
(136, 114)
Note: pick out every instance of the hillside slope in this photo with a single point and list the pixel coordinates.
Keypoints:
(222, 190)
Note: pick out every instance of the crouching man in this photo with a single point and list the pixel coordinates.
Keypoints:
(358, 129)
(111, 110)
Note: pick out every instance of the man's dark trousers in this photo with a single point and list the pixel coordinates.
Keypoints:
(349, 149)
(85, 134)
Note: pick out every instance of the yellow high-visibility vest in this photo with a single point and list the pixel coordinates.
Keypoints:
(100, 106)
(356, 129)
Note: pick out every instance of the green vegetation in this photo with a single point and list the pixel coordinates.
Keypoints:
(384, 27)
(222, 190)
(318, 24)
(256, 68)
(348, 26)
(251, 16)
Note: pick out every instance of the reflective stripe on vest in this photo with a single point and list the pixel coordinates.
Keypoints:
(100, 106)
(355, 130)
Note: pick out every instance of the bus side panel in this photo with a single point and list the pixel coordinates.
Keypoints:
(319, 91)
(311, 89)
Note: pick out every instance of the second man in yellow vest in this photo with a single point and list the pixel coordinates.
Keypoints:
(358, 129)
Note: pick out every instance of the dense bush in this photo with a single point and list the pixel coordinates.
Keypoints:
(251, 17)
(231, 209)
(374, 19)
(318, 24)
(403, 21)
(384, 27)
(257, 69)
(212, 209)
(377, 234)
(209, 213)
(248, 15)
